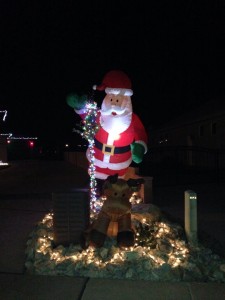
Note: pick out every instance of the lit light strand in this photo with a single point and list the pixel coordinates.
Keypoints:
(21, 138)
(6, 134)
(90, 127)
(42, 244)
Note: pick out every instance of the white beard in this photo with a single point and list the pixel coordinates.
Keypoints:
(116, 124)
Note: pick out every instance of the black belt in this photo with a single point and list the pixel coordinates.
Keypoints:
(108, 149)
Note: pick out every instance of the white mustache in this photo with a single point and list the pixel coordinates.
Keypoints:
(116, 109)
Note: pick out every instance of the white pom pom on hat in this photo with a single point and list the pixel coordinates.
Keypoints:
(115, 82)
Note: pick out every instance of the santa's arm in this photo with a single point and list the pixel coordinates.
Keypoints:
(139, 146)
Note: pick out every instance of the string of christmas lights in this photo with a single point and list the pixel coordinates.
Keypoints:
(6, 134)
(90, 127)
(22, 138)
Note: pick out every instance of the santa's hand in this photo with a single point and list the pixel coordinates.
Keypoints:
(76, 102)
(137, 152)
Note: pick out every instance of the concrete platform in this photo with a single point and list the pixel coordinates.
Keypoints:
(127, 290)
(24, 287)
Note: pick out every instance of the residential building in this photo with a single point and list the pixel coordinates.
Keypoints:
(201, 127)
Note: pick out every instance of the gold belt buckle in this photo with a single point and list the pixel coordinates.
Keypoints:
(105, 151)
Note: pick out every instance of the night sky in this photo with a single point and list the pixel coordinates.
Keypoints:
(173, 52)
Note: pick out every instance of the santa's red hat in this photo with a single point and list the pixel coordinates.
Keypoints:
(115, 82)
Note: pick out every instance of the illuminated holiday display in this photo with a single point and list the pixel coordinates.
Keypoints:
(142, 250)
(158, 251)
(115, 134)
(160, 254)
(121, 137)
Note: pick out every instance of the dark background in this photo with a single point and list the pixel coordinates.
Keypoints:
(173, 52)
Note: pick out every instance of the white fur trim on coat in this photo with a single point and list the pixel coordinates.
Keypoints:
(104, 176)
(112, 166)
(119, 91)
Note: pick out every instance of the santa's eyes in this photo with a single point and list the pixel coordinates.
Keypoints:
(116, 100)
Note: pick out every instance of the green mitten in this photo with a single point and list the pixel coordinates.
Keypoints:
(76, 102)
(137, 152)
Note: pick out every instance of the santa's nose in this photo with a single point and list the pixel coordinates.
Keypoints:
(115, 103)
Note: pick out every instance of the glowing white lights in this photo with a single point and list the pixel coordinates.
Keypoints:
(90, 128)
(22, 138)
(103, 258)
(10, 136)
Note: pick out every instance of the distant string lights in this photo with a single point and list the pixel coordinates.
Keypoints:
(10, 136)
(5, 114)
(22, 138)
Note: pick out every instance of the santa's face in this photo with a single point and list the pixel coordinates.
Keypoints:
(116, 105)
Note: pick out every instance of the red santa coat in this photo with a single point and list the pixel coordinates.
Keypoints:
(112, 151)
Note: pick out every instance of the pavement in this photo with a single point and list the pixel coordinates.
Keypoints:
(26, 189)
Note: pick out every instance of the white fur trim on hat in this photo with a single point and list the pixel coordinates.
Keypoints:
(119, 91)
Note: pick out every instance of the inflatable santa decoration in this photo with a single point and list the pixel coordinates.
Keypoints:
(121, 137)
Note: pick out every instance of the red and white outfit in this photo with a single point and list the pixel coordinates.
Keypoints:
(119, 127)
